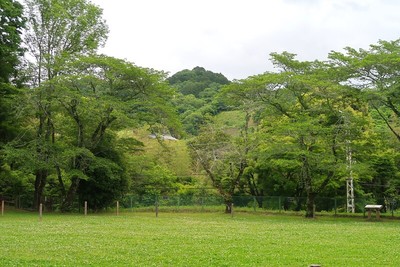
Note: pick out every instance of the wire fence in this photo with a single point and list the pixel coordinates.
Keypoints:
(332, 206)
(198, 203)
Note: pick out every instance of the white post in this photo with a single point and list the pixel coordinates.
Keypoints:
(85, 208)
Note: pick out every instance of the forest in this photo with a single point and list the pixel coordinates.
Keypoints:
(78, 125)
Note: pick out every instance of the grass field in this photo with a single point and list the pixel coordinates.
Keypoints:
(196, 239)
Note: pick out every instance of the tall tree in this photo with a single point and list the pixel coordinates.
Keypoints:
(376, 71)
(95, 97)
(12, 22)
(58, 31)
(222, 158)
(301, 123)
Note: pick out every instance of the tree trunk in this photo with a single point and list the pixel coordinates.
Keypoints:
(228, 207)
(70, 197)
(40, 182)
(310, 205)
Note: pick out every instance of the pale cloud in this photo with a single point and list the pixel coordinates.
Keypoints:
(235, 37)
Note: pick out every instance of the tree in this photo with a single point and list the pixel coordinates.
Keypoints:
(97, 96)
(375, 71)
(58, 32)
(223, 160)
(301, 123)
(12, 22)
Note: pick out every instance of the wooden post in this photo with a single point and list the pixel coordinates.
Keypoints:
(2, 207)
(335, 206)
(85, 208)
(314, 211)
(280, 204)
(117, 208)
(131, 204)
(40, 211)
(156, 208)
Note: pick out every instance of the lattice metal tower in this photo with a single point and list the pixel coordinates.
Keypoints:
(349, 181)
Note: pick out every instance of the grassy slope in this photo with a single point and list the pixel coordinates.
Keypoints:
(201, 239)
(175, 154)
(176, 157)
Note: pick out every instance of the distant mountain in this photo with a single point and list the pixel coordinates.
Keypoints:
(195, 81)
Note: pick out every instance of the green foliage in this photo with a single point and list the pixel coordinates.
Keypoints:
(197, 100)
(12, 22)
(60, 30)
(196, 81)
(304, 121)
(283, 133)
(375, 71)
(222, 159)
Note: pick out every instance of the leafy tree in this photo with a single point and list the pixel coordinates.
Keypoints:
(58, 31)
(375, 71)
(12, 22)
(101, 95)
(385, 177)
(301, 128)
(222, 159)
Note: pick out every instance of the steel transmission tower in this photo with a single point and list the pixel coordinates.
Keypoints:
(349, 161)
(349, 181)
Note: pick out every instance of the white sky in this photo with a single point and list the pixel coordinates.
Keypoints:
(235, 37)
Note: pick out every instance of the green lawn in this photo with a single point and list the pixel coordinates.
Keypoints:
(196, 239)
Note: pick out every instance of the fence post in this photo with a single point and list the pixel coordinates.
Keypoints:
(131, 204)
(314, 208)
(392, 208)
(156, 206)
(117, 208)
(85, 211)
(280, 204)
(2, 207)
(335, 201)
(40, 211)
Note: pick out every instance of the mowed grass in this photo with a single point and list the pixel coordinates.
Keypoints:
(196, 239)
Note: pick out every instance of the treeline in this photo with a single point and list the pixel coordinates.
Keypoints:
(70, 119)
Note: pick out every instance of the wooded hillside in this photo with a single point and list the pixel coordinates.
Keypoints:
(76, 125)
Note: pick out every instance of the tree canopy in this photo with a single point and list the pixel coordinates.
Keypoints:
(76, 125)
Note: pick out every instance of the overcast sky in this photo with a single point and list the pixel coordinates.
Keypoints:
(235, 37)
